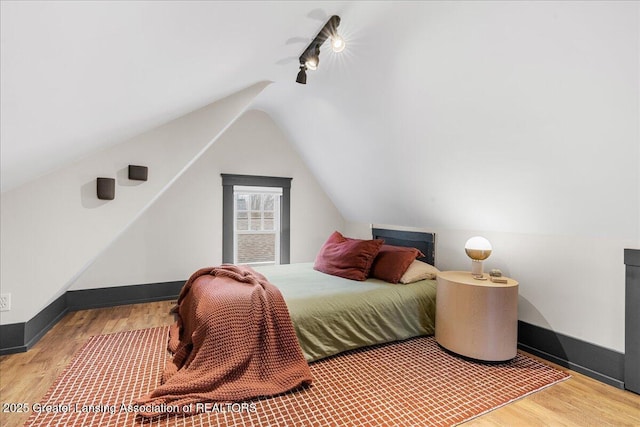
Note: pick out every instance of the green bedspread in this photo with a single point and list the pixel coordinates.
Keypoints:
(331, 314)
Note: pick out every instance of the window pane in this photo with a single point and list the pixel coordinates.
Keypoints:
(269, 202)
(269, 221)
(256, 223)
(255, 202)
(241, 202)
(256, 248)
(242, 221)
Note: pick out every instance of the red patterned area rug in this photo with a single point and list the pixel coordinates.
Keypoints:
(408, 383)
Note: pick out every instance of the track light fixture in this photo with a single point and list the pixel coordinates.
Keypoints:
(313, 60)
(302, 75)
(310, 58)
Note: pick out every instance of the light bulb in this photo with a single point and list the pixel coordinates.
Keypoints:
(312, 63)
(478, 248)
(337, 43)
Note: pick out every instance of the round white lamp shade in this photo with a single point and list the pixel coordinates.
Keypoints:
(478, 249)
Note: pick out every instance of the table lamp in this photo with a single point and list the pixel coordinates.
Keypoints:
(478, 249)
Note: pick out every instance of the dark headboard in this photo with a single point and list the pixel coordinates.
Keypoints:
(425, 242)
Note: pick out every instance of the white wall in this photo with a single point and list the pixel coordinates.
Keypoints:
(182, 231)
(54, 227)
(568, 284)
(518, 121)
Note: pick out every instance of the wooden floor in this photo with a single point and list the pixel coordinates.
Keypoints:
(26, 377)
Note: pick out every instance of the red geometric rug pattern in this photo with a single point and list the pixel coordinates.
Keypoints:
(408, 383)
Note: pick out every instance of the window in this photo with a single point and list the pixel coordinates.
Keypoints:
(256, 225)
(255, 215)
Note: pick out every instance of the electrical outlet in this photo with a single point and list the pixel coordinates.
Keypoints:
(5, 302)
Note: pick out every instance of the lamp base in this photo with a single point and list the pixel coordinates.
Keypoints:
(477, 270)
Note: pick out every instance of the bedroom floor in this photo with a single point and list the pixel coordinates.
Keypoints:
(26, 377)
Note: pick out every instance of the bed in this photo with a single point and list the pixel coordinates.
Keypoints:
(332, 314)
(242, 333)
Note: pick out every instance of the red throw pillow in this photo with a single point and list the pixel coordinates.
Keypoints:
(348, 258)
(392, 261)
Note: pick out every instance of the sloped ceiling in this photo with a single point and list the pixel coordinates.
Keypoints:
(433, 106)
(78, 76)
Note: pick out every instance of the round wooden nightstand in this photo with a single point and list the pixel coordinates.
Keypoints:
(477, 318)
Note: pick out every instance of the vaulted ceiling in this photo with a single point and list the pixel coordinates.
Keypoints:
(430, 102)
(77, 76)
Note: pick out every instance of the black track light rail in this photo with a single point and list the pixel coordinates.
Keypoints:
(313, 50)
(327, 31)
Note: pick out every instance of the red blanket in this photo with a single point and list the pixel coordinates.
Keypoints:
(233, 341)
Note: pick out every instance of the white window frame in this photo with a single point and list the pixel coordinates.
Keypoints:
(252, 190)
(228, 181)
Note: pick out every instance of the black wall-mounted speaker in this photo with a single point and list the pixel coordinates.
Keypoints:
(138, 173)
(106, 188)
